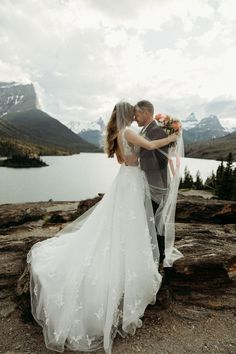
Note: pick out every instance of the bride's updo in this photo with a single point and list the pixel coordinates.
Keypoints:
(121, 117)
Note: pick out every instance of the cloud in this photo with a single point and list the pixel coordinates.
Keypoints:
(222, 106)
(85, 55)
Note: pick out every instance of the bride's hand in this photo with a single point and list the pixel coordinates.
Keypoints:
(173, 137)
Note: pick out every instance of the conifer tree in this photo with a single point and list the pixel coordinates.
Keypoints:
(198, 182)
(234, 185)
(188, 179)
(225, 180)
(210, 182)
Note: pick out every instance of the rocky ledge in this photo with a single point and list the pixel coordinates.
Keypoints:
(205, 234)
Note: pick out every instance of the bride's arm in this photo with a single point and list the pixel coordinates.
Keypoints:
(138, 140)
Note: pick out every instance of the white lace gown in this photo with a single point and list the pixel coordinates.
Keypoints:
(93, 282)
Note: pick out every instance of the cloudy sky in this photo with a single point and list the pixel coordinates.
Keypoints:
(85, 55)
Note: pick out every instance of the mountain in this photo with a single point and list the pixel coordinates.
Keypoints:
(92, 132)
(37, 127)
(217, 149)
(15, 97)
(229, 124)
(208, 128)
(25, 127)
(189, 122)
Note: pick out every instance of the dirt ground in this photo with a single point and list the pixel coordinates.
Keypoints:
(179, 329)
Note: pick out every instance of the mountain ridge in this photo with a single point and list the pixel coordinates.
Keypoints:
(22, 120)
(38, 127)
(216, 149)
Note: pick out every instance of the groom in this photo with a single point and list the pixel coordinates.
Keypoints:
(154, 164)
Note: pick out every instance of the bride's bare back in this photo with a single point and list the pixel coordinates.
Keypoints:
(125, 151)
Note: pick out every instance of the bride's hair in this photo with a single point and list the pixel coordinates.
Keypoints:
(121, 116)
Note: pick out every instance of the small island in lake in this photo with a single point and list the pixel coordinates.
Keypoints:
(22, 161)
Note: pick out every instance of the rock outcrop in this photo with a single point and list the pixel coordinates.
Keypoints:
(205, 234)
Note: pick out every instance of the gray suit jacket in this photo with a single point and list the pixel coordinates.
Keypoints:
(153, 162)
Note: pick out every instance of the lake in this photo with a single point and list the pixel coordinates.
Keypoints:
(74, 177)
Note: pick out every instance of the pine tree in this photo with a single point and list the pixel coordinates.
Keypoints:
(225, 181)
(198, 182)
(188, 179)
(234, 185)
(219, 179)
(210, 182)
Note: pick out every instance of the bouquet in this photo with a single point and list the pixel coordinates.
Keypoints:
(169, 124)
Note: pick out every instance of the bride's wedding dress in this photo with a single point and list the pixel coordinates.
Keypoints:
(95, 279)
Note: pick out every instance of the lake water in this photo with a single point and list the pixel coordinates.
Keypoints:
(73, 177)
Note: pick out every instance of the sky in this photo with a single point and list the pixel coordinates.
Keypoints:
(83, 56)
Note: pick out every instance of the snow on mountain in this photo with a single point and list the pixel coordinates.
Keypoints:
(79, 126)
(189, 122)
(229, 124)
(91, 131)
(210, 122)
(16, 97)
(207, 129)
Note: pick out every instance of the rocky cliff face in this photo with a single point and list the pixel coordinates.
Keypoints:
(15, 97)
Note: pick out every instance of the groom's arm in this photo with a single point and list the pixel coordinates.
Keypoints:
(156, 133)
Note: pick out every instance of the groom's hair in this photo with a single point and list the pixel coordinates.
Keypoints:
(146, 105)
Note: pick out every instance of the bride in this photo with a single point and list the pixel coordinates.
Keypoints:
(97, 275)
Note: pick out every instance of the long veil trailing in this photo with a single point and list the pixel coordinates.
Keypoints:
(167, 199)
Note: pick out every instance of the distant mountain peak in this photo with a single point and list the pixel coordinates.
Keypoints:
(213, 116)
(190, 121)
(207, 129)
(17, 97)
(79, 126)
(91, 131)
(191, 118)
(101, 123)
(211, 121)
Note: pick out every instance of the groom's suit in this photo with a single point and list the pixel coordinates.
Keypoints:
(154, 164)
